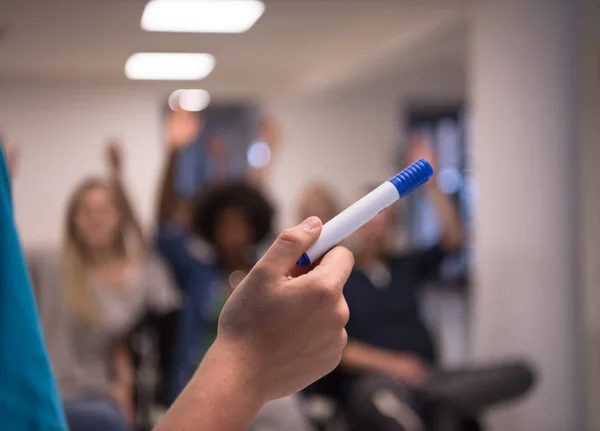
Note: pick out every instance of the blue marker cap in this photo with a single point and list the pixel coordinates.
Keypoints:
(412, 177)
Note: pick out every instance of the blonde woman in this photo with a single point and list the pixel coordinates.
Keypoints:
(90, 295)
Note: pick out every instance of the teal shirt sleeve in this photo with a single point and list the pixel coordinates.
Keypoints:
(29, 397)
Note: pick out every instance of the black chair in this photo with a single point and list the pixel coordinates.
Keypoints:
(152, 343)
(450, 401)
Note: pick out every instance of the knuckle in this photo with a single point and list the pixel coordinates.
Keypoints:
(341, 343)
(343, 312)
(331, 285)
(325, 293)
(260, 272)
(344, 338)
(290, 236)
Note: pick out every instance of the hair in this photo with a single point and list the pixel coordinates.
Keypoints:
(78, 290)
(211, 201)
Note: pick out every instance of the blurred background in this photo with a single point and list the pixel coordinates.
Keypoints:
(504, 95)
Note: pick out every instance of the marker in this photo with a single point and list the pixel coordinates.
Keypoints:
(363, 210)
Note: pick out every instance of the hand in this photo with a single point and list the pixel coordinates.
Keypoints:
(218, 150)
(286, 332)
(270, 134)
(408, 368)
(182, 128)
(421, 147)
(114, 156)
(122, 395)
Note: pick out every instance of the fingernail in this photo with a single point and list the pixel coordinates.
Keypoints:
(312, 223)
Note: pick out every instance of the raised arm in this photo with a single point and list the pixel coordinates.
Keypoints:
(167, 203)
(269, 133)
(181, 128)
(114, 156)
(452, 230)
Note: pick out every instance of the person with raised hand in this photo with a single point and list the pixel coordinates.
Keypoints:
(91, 293)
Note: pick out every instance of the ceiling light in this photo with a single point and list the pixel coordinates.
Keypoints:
(189, 100)
(201, 16)
(169, 66)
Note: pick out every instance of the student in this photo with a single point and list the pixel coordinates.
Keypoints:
(90, 294)
(210, 254)
(388, 336)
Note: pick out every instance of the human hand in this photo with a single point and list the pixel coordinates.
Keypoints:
(270, 133)
(408, 368)
(421, 147)
(114, 156)
(182, 127)
(122, 395)
(282, 332)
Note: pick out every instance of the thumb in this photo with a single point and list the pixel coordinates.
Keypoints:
(289, 246)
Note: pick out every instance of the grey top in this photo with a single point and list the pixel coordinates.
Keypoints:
(80, 354)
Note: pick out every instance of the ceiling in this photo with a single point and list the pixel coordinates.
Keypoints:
(297, 46)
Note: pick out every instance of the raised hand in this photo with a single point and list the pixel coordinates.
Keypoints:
(114, 156)
(270, 133)
(421, 147)
(182, 128)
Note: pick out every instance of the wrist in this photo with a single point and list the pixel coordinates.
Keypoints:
(226, 376)
(237, 369)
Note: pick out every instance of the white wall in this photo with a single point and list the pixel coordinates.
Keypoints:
(589, 226)
(525, 301)
(61, 133)
(346, 140)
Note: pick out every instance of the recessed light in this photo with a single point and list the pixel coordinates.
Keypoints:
(169, 66)
(201, 16)
(189, 100)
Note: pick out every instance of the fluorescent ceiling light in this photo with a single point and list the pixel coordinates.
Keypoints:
(189, 100)
(201, 16)
(169, 66)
